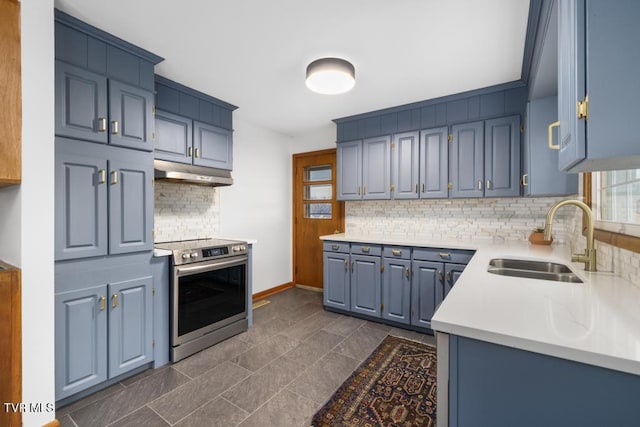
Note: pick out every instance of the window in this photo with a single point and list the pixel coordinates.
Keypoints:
(318, 192)
(615, 201)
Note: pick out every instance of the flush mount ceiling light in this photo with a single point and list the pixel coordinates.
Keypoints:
(331, 76)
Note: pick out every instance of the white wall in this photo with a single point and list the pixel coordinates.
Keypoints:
(258, 204)
(37, 206)
(318, 139)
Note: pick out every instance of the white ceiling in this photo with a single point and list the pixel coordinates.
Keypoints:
(253, 53)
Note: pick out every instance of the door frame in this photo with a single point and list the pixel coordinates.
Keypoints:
(294, 199)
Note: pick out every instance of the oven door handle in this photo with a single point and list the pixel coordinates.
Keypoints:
(210, 266)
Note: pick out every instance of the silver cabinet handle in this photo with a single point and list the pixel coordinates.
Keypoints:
(479, 184)
(396, 252)
(440, 275)
(444, 255)
(346, 265)
(488, 184)
(406, 272)
(449, 276)
(102, 124)
(335, 247)
(114, 300)
(103, 302)
(352, 266)
(197, 150)
(102, 176)
(416, 188)
(364, 189)
(115, 127)
(366, 249)
(524, 180)
(114, 177)
(190, 152)
(550, 136)
(423, 187)
(358, 190)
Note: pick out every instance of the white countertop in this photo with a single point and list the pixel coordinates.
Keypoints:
(595, 322)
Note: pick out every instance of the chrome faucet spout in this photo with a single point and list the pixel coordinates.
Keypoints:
(589, 256)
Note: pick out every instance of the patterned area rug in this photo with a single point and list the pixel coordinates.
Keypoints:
(395, 386)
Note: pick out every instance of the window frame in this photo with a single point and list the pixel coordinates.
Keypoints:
(624, 241)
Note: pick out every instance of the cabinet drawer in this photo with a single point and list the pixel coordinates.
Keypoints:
(336, 247)
(366, 249)
(399, 252)
(459, 256)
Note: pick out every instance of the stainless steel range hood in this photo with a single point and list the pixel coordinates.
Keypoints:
(178, 172)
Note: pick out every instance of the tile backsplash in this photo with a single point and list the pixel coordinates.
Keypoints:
(185, 211)
(491, 219)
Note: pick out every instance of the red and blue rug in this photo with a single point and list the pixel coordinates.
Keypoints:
(395, 386)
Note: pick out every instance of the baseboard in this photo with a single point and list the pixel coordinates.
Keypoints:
(271, 291)
(54, 423)
(309, 288)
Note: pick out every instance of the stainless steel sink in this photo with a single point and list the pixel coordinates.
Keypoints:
(528, 269)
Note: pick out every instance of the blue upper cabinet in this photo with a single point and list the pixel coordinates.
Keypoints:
(130, 114)
(466, 160)
(212, 146)
(173, 138)
(192, 127)
(598, 59)
(405, 165)
(90, 62)
(502, 157)
(376, 168)
(81, 103)
(349, 173)
(540, 174)
(434, 163)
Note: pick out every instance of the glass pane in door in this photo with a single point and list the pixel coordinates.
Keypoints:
(317, 173)
(317, 192)
(317, 210)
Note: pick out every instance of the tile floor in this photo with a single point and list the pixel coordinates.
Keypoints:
(279, 373)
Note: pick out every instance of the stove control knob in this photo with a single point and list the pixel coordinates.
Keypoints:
(185, 255)
(238, 249)
(194, 255)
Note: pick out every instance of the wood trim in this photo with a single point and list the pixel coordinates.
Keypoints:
(54, 423)
(624, 241)
(314, 153)
(272, 291)
(10, 94)
(11, 339)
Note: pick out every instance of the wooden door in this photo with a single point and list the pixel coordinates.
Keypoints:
(316, 212)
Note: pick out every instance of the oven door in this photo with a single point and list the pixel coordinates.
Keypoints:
(207, 296)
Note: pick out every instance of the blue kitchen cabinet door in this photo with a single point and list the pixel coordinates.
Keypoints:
(466, 160)
(212, 146)
(434, 163)
(405, 165)
(81, 201)
(502, 157)
(452, 274)
(130, 325)
(376, 168)
(349, 173)
(130, 184)
(540, 174)
(396, 290)
(174, 137)
(336, 275)
(598, 59)
(80, 340)
(81, 104)
(130, 116)
(427, 291)
(366, 279)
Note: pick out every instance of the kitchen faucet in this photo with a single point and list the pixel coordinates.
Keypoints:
(589, 256)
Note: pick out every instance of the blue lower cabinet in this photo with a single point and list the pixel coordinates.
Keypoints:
(452, 273)
(365, 285)
(80, 340)
(336, 280)
(495, 385)
(130, 325)
(427, 291)
(101, 332)
(396, 290)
